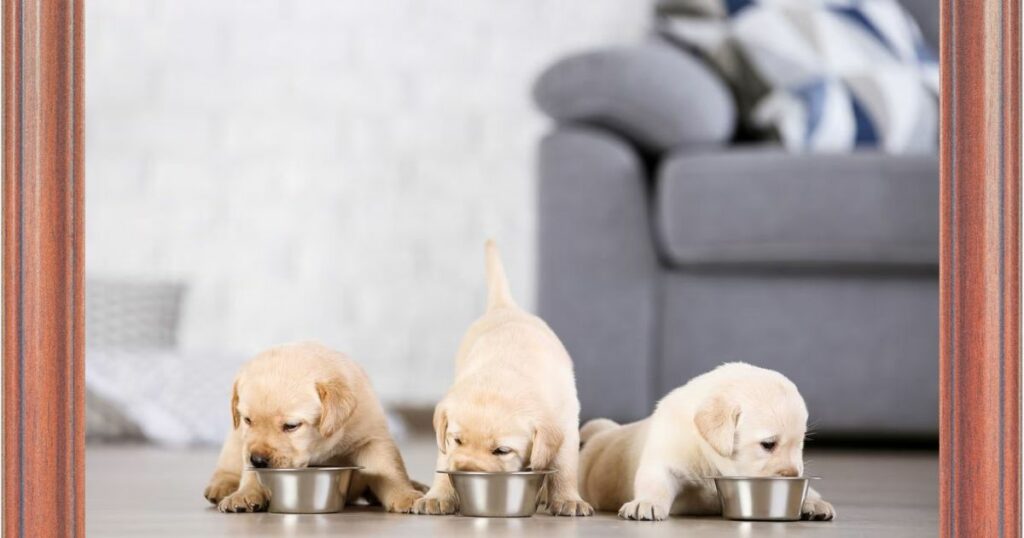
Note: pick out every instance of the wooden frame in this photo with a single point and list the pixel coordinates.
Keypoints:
(44, 439)
(979, 372)
(43, 254)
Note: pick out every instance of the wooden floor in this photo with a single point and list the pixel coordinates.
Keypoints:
(139, 492)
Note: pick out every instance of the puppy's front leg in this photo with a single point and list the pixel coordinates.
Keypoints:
(654, 489)
(250, 496)
(816, 508)
(563, 491)
(385, 474)
(225, 478)
(441, 498)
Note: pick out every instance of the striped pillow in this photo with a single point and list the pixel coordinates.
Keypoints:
(820, 75)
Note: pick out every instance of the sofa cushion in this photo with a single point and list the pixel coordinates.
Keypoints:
(657, 97)
(762, 206)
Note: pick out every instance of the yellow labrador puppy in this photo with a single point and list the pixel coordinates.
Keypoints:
(513, 405)
(737, 420)
(304, 404)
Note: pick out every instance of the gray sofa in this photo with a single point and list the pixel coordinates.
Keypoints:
(666, 248)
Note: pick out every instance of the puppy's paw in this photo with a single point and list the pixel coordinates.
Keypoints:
(570, 507)
(402, 501)
(435, 506)
(250, 500)
(643, 511)
(817, 510)
(221, 485)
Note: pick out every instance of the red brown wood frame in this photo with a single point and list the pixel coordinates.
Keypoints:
(43, 348)
(979, 371)
(43, 265)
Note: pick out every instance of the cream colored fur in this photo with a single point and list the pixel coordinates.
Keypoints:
(513, 403)
(712, 426)
(338, 420)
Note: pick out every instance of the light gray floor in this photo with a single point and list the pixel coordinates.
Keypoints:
(141, 492)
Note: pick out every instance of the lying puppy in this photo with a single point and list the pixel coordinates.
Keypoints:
(513, 405)
(304, 404)
(737, 420)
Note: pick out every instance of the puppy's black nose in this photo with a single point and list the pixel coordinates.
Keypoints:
(258, 461)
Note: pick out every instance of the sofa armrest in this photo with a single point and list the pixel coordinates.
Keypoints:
(597, 267)
(653, 94)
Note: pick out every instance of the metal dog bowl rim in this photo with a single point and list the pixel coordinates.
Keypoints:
(302, 469)
(500, 473)
(763, 478)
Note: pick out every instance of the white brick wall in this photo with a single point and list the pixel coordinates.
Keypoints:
(325, 169)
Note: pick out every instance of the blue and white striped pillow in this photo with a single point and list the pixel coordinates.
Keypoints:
(830, 75)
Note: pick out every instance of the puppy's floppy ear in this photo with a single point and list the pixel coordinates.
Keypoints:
(235, 417)
(716, 420)
(441, 427)
(337, 403)
(547, 439)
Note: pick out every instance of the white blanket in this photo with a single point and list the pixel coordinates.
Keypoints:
(171, 397)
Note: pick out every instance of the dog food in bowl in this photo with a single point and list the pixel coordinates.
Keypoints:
(762, 498)
(512, 494)
(308, 490)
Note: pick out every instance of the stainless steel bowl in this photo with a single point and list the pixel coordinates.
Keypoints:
(309, 490)
(762, 498)
(497, 494)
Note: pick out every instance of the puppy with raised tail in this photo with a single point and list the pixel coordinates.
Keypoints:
(737, 420)
(303, 404)
(513, 405)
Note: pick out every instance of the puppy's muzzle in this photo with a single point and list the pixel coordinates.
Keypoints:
(259, 461)
(471, 466)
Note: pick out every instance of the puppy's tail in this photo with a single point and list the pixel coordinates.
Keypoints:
(498, 294)
(596, 426)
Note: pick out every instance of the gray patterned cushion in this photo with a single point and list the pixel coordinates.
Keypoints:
(131, 314)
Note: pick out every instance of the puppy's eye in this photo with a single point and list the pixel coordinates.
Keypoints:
(248, 421)
(457, 441)
(289, 428)
(768, 445)
(501, 451)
